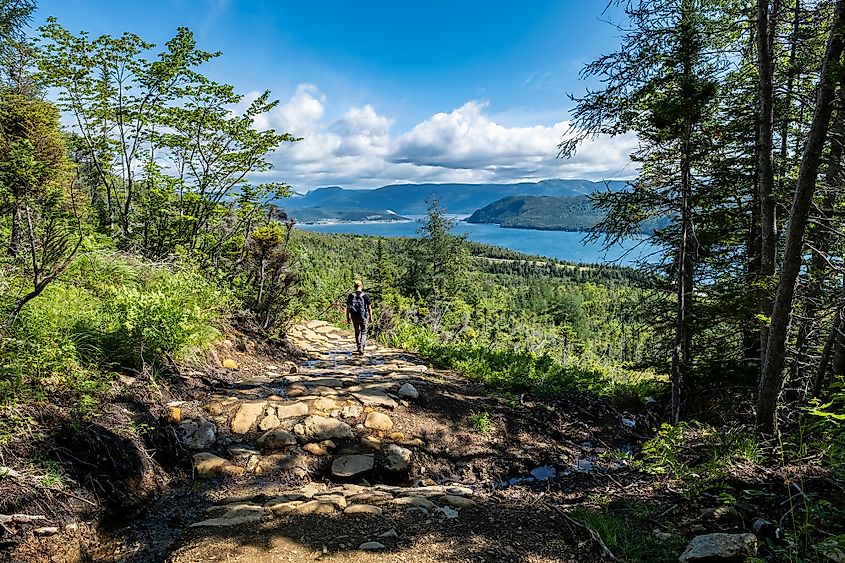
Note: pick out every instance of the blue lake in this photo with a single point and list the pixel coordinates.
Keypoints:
(554, 244)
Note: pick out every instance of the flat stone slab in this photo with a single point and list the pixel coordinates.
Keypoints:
(367, 509)
(349, 465)
(375, 398)
(246, 416)
(322, 428)
(292, 411)
(234, 517)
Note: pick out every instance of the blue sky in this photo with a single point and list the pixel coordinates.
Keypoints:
(389, 92)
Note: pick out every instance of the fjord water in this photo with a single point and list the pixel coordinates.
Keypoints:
(562, 245)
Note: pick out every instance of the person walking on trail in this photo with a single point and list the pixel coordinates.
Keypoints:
(358, 310)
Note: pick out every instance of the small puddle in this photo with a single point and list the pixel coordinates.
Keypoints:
(584, 465)
(542, 473)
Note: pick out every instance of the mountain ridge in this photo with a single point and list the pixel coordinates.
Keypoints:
(411, 199)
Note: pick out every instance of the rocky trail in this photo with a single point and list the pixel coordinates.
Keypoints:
(343, 458)
(337, 457)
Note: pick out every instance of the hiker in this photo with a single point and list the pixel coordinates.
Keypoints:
(358, 310)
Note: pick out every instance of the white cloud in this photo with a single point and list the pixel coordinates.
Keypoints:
(359, 148)
(300, 115)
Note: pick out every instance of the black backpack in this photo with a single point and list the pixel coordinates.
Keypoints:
(358, 305)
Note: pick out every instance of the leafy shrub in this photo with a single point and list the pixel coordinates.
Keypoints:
(164, 318)
(106, 312)
(480, 422)
(41, 350)
(698, 451)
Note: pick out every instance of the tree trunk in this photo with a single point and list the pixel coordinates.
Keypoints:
(787, 96)
(821, 240)
(681, 347)
(15, 235)
(765, 169)
(838, 368)
(771, 379)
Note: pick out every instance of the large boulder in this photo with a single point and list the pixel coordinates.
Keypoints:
(712, 548)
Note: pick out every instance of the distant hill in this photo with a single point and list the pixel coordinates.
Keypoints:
(550, 213)
(410, 199)
(326, 215)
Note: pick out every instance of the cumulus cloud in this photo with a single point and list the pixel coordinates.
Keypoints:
(360, 149)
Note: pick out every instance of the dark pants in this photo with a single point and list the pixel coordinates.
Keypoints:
(360, 326)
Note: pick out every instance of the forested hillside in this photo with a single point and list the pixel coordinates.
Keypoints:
(575, 213)
(176, 383)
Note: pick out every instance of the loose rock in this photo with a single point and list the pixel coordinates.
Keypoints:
(371, 546)
(409, 391)
(209, 465)
(397, 458)
(414, 501)
(720, 547)
(198, 436)
(457, 501)
(721, 514)
(315, 449)
(351, 412)
(276, 439)
(449, 513)
(269, 422)
(296, 390)
(242, 452)
(316, 507)
(378, 421)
